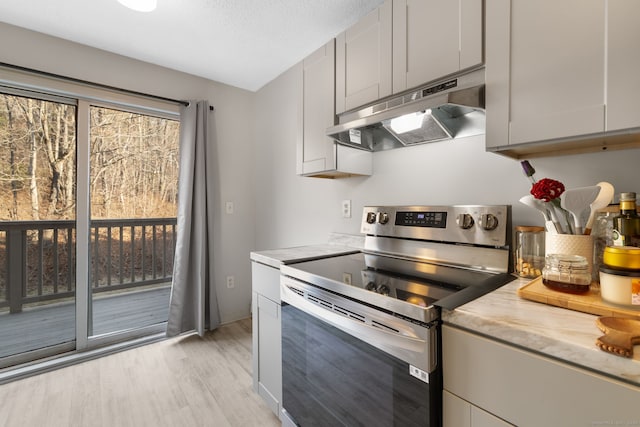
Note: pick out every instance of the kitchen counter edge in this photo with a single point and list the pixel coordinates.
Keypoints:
(565, 335)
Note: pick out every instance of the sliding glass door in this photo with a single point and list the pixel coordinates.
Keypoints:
(133, 193)
(37, 226)
(88, 195)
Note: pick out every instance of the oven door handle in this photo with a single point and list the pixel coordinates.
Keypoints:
(419, 351)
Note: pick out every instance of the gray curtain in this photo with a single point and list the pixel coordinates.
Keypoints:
(194, 305)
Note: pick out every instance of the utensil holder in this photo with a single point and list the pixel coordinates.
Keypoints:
(570, 244)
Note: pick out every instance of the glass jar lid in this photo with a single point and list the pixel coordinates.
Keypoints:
(566, 262)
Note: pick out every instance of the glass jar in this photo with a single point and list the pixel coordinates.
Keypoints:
(529, 251)
(566, 273)
(602, 233)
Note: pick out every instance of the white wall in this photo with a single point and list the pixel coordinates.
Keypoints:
(297, 210)
(233, 137)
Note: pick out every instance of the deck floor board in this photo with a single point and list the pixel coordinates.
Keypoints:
(52, 324)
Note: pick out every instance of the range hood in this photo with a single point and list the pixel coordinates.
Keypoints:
(444, 110)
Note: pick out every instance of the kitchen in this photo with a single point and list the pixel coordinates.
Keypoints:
(449, 172)
(274, 206)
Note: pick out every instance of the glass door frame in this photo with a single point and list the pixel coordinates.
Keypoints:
(83, 96)
(85, 339)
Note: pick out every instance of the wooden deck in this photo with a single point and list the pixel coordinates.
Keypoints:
(52, 324)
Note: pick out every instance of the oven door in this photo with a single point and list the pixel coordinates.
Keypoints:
(346, 364)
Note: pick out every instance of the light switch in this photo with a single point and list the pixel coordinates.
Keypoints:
(229, 207)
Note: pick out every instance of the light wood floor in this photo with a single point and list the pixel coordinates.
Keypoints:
(184, 381)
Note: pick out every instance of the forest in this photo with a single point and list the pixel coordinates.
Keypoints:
(133, 175)
(133, 162)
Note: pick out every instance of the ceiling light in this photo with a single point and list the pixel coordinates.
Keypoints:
(140, 5)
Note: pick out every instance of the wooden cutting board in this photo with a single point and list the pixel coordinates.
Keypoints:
(590, 302)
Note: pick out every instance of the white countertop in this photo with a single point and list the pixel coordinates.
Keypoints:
(563, 334)
(276, 257)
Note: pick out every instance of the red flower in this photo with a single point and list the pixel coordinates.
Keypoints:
(547, 189)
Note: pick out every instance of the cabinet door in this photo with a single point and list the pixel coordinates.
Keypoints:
(434, 38)
(557, 69)
(270, 353)
(363, 60)
(623, 68)
(316, 150)
(498, 85)
(267, 348)
(460, 413)
(456, 412)
(480, 418)
(471, 33)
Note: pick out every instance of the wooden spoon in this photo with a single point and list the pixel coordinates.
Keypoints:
(620, 335)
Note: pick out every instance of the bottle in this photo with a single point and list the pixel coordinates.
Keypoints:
(626, 226)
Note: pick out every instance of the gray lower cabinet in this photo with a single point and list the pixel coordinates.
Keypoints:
(460, 413)
(488, 383)
(267, 355)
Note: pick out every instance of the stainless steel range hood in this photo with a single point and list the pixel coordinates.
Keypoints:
(447, 109)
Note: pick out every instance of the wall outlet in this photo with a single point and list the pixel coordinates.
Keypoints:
(346, 208)
(231, 282)
(346, 278)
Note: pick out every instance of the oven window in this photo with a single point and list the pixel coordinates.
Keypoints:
(333, 379)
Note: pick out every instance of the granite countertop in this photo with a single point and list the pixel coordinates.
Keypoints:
(562, 334)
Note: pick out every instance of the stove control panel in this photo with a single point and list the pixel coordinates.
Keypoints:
(472, 224)
(422, 219)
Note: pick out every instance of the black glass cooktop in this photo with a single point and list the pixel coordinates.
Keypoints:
(417, 283)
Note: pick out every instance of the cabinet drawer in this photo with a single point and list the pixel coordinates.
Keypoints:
(527, 389)
(266, 281)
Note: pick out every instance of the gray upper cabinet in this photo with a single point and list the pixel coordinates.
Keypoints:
(559, 74)
(319, 155)
(434, 38)
(363, 60)
(623, 71)
(555, 71)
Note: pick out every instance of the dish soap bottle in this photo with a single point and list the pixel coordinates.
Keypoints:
(626, 226)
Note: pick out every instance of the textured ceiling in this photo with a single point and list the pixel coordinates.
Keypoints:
(243, 43)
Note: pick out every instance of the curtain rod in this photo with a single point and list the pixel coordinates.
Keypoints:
(98, 85)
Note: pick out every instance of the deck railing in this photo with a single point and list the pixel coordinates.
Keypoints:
(37, 258)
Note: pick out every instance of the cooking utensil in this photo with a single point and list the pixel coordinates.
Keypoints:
(554, 219)
(605, 196)
(576, 200)
(534, 203)
(620, 335)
